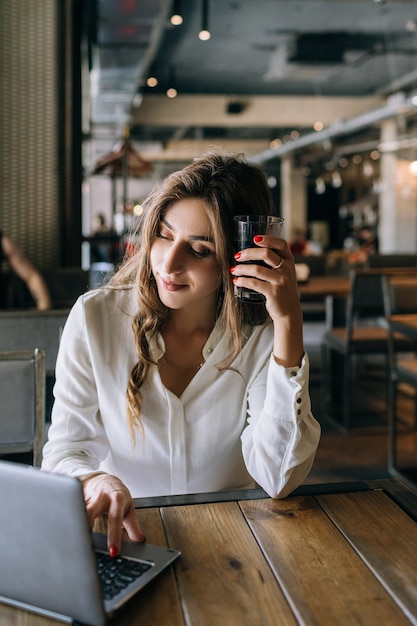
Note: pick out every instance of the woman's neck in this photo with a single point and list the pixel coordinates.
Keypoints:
(183, 323)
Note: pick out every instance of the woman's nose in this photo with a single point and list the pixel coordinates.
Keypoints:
(174, 259)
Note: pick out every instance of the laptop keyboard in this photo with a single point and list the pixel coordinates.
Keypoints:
(118, 573)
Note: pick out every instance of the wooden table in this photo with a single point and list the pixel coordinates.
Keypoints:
(405, 324)
(327, 555)
(322, 286)
(326, 296)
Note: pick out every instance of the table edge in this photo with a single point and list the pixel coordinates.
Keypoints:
(397, 490)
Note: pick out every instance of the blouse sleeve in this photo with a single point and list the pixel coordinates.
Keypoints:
(281, 438)
(76, 440)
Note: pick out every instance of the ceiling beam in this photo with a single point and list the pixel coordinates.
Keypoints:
(396, 105)
(257, 112)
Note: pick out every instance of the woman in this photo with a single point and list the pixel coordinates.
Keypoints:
(165, 383)
(10, 251)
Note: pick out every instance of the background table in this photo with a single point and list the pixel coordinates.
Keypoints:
(405, 324)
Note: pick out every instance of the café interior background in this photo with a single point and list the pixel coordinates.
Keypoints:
(321, 93)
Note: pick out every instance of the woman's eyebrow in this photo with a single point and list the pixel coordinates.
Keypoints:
(192, 237)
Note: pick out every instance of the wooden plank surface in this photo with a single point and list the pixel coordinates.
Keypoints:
(324, 579)
(10, 616)
(384, 536)
(222, 575)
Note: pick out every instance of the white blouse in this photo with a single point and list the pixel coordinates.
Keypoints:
(229, 428)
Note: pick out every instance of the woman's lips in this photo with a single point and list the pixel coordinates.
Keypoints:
(171, 286)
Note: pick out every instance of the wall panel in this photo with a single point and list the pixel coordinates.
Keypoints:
(29, 181)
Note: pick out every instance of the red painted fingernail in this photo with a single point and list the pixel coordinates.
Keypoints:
(113, 551)
(237, 256)
(258, 238)
(232, 269)
(235, 278)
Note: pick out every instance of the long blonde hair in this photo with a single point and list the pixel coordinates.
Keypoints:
(229, 186)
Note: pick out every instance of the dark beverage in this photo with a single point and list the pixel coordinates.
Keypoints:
(246, 227)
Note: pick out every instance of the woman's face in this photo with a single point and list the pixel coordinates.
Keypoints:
(183, 260)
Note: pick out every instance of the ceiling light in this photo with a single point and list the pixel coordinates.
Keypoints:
(320, 186)
(138, 210)
(275, 143)
(411, 26)
(318, 126)
(176, 17)
(171, 91)
(137, 100)
(413, 168)
(368, 170)
(152, 81)
(204, 33)
(336, 180)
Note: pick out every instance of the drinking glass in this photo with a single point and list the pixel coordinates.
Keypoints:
(246, 227)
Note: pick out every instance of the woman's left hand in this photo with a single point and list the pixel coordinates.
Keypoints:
(277, 281)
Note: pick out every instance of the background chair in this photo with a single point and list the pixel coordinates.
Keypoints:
(22, 407)
(362, 336)
(400, 294)
(316, 262)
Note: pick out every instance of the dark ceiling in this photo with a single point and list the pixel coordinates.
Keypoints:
(258, 48)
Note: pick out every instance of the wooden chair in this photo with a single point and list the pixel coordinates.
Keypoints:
(400, 294)
(22, 407)
(361, 336)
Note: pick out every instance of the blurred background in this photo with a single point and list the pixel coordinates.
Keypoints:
(101, 98)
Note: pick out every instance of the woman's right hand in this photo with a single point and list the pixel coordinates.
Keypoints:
(105, 493)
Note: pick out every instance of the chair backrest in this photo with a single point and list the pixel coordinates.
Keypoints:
(20, 330)
(316, 262)
(22, 407)
(366, 303)
(366, 296)
(400, 293)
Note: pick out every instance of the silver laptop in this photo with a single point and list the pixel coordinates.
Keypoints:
(49, 557)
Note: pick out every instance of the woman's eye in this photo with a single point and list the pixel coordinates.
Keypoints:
(202, 254)
(163, 235)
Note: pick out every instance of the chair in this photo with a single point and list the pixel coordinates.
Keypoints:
(362, 336)
(400, 294)
(316, 263)
(22, 408)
